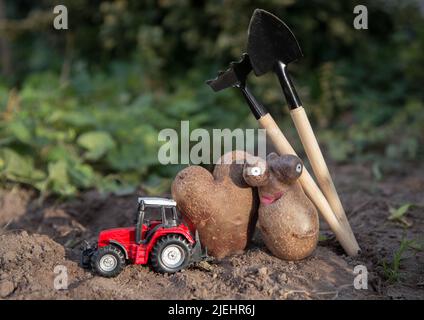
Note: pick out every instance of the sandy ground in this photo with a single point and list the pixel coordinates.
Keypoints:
(37, 237)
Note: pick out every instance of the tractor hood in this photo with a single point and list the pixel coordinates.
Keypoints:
(121, 235)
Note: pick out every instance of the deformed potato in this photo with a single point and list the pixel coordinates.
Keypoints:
(287, 218)
(221, 205)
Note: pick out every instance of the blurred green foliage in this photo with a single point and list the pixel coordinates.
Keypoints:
(82, 108)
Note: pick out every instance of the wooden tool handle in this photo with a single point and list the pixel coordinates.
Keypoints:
(309, 186)
(319, 166)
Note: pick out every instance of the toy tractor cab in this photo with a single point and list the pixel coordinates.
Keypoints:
(160, 237)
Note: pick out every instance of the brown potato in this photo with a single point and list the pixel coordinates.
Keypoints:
(287, 218)
(221, 206)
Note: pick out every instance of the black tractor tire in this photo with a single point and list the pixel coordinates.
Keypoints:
(170, 254)
(108, 261)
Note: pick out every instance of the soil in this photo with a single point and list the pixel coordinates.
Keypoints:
(36, 237)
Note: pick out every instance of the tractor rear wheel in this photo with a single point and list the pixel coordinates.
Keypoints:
(108, 261)
(170, 254)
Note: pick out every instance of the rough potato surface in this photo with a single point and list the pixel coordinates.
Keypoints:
(221, 205)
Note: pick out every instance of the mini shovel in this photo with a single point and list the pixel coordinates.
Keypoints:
(271, 47)
(236, 76)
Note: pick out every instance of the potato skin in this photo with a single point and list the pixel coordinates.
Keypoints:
(287, 219)
(290, 225)
(221, 206)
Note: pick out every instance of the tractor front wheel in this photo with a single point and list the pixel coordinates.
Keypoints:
(170, 254)
(108, 261)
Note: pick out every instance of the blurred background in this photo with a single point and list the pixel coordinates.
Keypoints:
(81, 108)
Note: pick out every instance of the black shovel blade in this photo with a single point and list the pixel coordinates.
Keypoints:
(234, 76)
(270, 41)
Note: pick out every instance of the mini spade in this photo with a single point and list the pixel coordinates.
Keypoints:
(235, 76)
(271, 47)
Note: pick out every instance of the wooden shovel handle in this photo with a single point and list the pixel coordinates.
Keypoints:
(309, 186)
(319, 166)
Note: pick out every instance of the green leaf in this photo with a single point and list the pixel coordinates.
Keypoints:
(20, 131)
(60, 152)
(82, 175)
(18, 168)
(416, 245)
(126, 157)
(97, 144)
(397, 214)
(58, 179)
(76, 119)
(112, 184)
(376, 171)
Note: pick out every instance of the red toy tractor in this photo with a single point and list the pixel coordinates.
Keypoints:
(160, 237)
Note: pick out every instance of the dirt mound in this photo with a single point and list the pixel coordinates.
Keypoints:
(27, 264)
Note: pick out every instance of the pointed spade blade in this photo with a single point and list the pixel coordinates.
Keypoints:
(270, 40)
